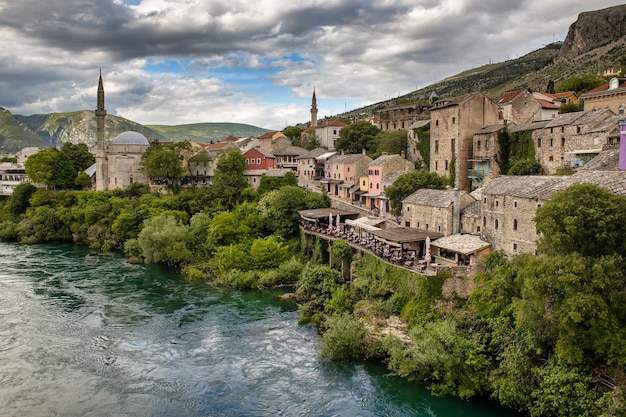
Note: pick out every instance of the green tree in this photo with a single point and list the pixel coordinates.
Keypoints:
(280, 210)
(229, 181)
(266, 253)
(294, 133)
(40, 166)
(394, 142)
(358, 136)
(585, 219)
(18, 202)
(344, 339)
(342, 251)
(79, 156)
(162, 164)
(158, 237)
(525, 167)
(407, 184)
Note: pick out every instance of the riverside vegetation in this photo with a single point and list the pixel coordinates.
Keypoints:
(543, 335)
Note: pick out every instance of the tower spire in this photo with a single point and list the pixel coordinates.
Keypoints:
(100, 139)
(313, 110)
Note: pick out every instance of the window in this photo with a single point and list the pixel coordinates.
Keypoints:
(437, 122)
(436, 165)
(436, 146)
(539, 142)
(258, 161)
(515, 204)
(439, 229)
(485, 200)
(453, 120)
(551, 158)
(515, 246)
(478, 228)
(551, 142)
(484, 221)
(446, 164)
(562, 142)
(408, 209)
(453, 146)
(514, 224)
(562, 129)
(486, 144)
(478, 146)
(496, 224)
(497, 203)
(377, 186)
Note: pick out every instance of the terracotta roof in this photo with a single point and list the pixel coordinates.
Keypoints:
(605, 86)
(267, 135)
(230, 138)
(547, 104)
(508, 97)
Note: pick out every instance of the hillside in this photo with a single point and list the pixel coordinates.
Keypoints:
(206, 132)
(15, 135)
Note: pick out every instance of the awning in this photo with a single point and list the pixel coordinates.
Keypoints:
(585, 151)
(366, 223)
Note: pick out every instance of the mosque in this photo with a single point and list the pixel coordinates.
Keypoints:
(117, 164)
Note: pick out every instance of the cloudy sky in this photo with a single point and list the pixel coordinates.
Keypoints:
(255, 61)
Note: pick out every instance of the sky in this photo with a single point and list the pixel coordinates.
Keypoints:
(256, 62)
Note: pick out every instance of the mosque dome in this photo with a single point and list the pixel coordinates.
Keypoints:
(130, 138)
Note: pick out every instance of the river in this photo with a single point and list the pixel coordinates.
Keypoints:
(85, 335)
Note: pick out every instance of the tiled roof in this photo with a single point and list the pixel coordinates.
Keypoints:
(383, 159)
(432, 198)
(548, 104)
(507, 97)
(527, 126)
(314, 153)
(491, 129)
(605, 161)
(472, 210)
(291, 150)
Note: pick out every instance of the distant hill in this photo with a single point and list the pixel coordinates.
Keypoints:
(45, 130)
(206, 132)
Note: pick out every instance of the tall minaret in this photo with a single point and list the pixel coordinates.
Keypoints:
(314, 110)
(101, 167)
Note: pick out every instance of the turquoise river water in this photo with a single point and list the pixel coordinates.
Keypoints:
(85, 335)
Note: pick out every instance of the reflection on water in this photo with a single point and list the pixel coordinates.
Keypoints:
(88, 335)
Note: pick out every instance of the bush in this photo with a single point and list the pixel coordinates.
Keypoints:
(344, 338)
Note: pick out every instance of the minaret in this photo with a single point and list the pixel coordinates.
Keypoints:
(314, 110)
(101, 168)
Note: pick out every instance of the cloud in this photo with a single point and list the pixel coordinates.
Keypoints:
(173, 61)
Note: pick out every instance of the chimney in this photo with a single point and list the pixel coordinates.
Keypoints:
(456, 211)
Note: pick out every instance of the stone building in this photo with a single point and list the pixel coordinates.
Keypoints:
(118, 163)
(509, 204)
(435, 210)
(611, 95)
(308, 168)
(453, 124)
(484, 160)
(326, 133)
(401, 117)
(560, 140)
(287, 157)
(518, 107)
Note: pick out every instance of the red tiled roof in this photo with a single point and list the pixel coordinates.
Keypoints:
(547, 104)
(507, 97)
(230, 138)
(267, 135)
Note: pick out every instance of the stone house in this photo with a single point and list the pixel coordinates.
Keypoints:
(400, 117)
(610, 95)
(559, 140)
(519, 107)
(509, 204)
(471, 218)
(307, 172)
(412, 152)
(376, 170)
(453, 124)
(287, 157)
(435, 210)
(484, 160)
(272, 141)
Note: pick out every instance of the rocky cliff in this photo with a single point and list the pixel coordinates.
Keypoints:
(594, 29)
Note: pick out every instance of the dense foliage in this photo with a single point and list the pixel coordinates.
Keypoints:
(358, 136)
(541, 334)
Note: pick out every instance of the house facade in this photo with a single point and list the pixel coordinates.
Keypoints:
(401, 117)
(453, 124)
(435, 210)
(610, 95)
(376, 170)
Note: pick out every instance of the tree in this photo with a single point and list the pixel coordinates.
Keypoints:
(407, 184)
(525, 167)
(79, 156)
(342, 251)
(266, 253)
(394, 142)
(158, 237)
(585, 219)
(229, 181)
(162, 164)
(358, 136)
(51, 168)
(18, 202)
(280, 210)
(294, 133)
